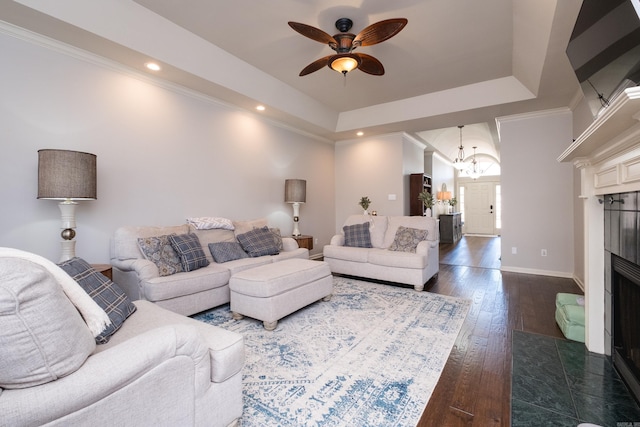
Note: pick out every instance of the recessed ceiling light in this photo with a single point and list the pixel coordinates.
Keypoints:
(152, 66)
(260, 108)
(360, 133)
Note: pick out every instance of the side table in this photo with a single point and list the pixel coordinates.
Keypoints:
(104, 269)
(304, 241)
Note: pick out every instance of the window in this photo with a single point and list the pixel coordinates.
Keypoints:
(498, 209)
(461, 202)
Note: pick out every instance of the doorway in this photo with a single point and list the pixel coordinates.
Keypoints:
(481, 207)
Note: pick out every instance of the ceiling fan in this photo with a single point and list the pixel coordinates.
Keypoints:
(344, 43)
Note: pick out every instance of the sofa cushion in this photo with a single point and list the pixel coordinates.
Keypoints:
(189, 250)
(258, 242)
(388, 258)
(346, 253)
(357, 235)
(180, 284)
(277, 238)
(104, 292)
(43, 336)
(407, 239)
(210, 223)
(419, 222)
(124, 244)
(226, 251)
(159, 250)
(241, 227)
(377, 227)
(212, 236)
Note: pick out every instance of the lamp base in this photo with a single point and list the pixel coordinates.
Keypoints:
(68, 211)
(296, 218)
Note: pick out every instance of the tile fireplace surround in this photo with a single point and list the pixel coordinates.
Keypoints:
(608, 157)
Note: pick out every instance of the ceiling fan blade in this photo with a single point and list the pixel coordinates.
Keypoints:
(370, 65)
(379, 32)
(313, 33)
(315, 65)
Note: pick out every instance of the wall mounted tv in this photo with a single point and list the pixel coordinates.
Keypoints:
(604, 49)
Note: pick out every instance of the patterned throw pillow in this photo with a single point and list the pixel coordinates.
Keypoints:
(407, 239)
(226, 251)
(357, 235)
(159, 250)
(210, 223)
(104, 292)
(278, 238)
(189, 250)
(258, 242)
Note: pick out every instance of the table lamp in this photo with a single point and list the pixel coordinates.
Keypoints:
(67, 176)
(295, 192)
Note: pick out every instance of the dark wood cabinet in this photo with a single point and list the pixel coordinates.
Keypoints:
(450, 227)
(417, 183)
(304, 241)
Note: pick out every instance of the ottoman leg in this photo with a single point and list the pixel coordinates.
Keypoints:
(327, 298)
(270, 326)
(236, 316)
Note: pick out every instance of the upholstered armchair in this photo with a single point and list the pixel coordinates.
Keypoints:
(158, 368)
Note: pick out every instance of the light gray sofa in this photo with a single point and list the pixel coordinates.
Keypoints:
(158, 369)
(190, 292)
(378, 262)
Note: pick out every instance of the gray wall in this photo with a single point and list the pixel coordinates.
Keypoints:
(537, 193)
(164, 154)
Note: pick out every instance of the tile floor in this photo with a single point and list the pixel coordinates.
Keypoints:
(559, 383)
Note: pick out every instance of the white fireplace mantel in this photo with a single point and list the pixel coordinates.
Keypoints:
(608, 157)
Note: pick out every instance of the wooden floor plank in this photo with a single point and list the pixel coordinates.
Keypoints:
(475, 386)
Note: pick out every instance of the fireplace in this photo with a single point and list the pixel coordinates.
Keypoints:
(625, 349)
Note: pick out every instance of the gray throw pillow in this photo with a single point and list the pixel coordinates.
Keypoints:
(407, 239)
(189, 250)
(357, 235)
(277, 238)
(158, 249)
(226, 251)
(104, 292)
(258, 242)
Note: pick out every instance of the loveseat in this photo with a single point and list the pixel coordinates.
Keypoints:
(193, 291)
(157, 368)
(388, 248)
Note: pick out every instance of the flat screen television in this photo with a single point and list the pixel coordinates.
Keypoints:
(604, 49)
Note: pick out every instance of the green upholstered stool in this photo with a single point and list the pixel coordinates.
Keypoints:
(570, 316)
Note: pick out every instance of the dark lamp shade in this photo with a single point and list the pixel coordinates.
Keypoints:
(295, 191)
(64, 174)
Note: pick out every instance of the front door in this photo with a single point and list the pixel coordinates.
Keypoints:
(479, 208)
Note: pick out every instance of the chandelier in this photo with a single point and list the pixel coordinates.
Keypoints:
(474, 170)
(459, 162)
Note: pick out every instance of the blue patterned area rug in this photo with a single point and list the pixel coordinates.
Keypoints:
(369, 357)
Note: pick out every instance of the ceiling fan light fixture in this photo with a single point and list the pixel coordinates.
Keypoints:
(344, 63)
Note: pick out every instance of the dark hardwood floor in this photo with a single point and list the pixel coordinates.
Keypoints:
(475, 386)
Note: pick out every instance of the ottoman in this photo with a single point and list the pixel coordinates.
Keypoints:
(272, 291)
(570, 315)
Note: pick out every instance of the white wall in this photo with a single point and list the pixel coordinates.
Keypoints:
(537, 193)
(163, 155)
(375, 167)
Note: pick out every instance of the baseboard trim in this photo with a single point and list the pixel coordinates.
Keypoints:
(538, 272)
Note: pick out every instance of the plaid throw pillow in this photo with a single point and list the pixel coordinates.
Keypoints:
(357, 235)
(189, 250)
(258, 242)
(104, 292)
(407, 239)
(226, 251)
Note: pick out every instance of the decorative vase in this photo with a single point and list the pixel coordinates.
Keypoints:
(365, 212)
(428, 212)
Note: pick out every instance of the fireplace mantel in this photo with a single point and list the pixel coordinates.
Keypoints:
(608, 157)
